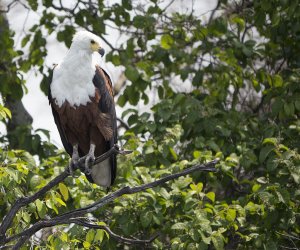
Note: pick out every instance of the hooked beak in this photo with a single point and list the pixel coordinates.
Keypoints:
(101, 51)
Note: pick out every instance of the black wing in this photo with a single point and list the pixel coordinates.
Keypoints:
(106, 105)
(68, 147)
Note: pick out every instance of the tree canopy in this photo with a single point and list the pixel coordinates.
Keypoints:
(221, 86)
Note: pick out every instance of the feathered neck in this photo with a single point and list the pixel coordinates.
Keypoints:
(73, 79)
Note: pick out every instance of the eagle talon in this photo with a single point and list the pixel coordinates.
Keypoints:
(88, 159)
(74, 160)
(71, 169)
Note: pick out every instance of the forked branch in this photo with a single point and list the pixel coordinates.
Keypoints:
(77, 216)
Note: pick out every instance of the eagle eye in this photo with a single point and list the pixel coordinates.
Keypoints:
(93, 42)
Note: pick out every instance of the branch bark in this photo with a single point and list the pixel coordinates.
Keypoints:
(74, 215)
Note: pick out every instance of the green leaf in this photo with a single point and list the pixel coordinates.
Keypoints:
(60, 201)
(102, 223)
(99, 235)
(231, 215)
(90, 235)
(132, 73)
(214, 146)
(272, 141)
(166, 41)
(270, 245)
(4, 112)
(218, 242)
(297, 105)
(277, 81)
(179, 226)
(127, 4)
(33, 4)
(264, 152)
(266, 197)
(262, 180)
(277, 105)
(255, 188)
(173, 153)
(139, 21)
(198, 78)
(146, 219)
(198, 188)
(26, 217)
(289, 108)
(164, 193)
(86, 244)
(197, 154)
(211, 196)
(122, 100)
(41, 208)
(64, 191)
(239, 21)
(64, 236)
(25, 40)
(161, 92)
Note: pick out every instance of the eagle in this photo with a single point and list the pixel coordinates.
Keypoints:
(82, 103)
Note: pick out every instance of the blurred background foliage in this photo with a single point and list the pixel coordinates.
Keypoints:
(225, 86)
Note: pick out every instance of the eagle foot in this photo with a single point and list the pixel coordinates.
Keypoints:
(71, 168)
(74, 160)
(90, 158)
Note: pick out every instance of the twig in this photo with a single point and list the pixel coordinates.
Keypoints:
(6, 247)
(214, 11)
(123, 124)
(168, 5)
(69, 216)
(288, 235)
(112, 234)
(9, 6)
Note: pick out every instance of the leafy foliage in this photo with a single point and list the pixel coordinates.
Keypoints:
(242, 106)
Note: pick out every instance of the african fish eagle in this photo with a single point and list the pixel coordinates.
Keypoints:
(81, 98)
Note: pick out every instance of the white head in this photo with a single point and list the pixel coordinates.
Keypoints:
(87, 42)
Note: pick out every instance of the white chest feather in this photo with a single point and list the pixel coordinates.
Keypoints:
(73, 80)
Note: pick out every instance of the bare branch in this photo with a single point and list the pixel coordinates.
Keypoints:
(112, 234)
(105, 40)
(70, 216)
(214, 11)
(123, 124)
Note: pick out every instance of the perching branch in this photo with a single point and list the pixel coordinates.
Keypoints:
(72, 216)
(26, 200)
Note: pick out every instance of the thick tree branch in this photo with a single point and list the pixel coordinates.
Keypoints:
(26, 200)
(69, 217)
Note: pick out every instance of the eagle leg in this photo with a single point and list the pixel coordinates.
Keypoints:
(90, 157)
(74, 159)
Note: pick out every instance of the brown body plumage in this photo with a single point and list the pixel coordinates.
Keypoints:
(86, 124)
